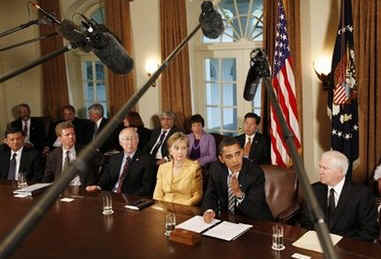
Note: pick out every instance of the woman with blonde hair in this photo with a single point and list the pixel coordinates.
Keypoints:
(179, 180)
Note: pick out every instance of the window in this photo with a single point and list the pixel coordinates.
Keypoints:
(93, 73)
(94, 84)
(221, 98)
(225, 63)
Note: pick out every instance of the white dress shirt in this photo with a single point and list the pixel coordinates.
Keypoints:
(338, 188)
(27, 123)
(72, 156)
(18, 159)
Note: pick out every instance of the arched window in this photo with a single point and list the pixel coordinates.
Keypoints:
(225, 63)
(93, 72)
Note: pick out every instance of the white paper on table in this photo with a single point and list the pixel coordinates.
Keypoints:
(310, 241)
(227, 230)
(197, 224)
(33, 187)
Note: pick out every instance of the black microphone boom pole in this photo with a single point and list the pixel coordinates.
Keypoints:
(18, 28)
(262, 69)
(29, 222)
(29, 41)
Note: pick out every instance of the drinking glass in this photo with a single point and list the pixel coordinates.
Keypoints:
(21, 180)
(170, 223)
(278, 231)
(107, 203)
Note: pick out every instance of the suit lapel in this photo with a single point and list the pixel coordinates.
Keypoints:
(322, 198)
(7, 161)
(59, 161)
(225, 181)
(340, 208)
(119, 165)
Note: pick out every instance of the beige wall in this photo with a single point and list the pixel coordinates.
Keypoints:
(319, 24)
(25, 87)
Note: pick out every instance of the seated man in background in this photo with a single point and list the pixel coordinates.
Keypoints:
(157, 145)
(235, 185)
(32, 127)
(82, 127)
(16, 158)
(254, 144)
(62, 156)
(129, 172)
(96, 115)
(349, 209)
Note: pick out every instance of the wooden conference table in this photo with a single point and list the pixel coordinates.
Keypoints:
(79, 230)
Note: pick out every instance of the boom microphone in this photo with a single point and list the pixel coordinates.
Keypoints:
(111, 52)
(74, 35)
(100, 41)
(211, 22)
(259, 69)
(51, 16)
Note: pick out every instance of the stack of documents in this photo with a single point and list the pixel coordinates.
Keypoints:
(31, 190)
(224, 230)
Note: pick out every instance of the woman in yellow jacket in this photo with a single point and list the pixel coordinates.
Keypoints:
(179, 180)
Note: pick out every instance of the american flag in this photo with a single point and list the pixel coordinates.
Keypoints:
(342, 96)
(283, 82)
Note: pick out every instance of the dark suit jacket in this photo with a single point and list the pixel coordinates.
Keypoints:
(251, 179)
(140, 179)
(109, 144)
(152, 141)
(259, 152)
(30, 164)
(355, 214)
(53, 167)
(83, 129)
(37, 132)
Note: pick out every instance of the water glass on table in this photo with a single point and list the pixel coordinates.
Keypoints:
(21, 181)
(278, 232)
(107, 203)
(170, 223)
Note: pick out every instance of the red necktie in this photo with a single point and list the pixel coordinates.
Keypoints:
(123, 175)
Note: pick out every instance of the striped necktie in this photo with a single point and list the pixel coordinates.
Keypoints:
(231, 197)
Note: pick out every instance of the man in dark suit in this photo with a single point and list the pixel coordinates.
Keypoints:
(349, 209)
(157, 145)
(235, 185)
(33, 128)
(254, 144)
(96, 115)
(62, 156)
(16, 158)
(130, 172)
(83, 128)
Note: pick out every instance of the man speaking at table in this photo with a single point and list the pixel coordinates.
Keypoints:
(235, 185)
(349, 209)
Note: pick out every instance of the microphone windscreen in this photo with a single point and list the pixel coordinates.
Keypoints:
(259, 68)
(211, 22)
(111, 53)
(74, 35)
(251, 85)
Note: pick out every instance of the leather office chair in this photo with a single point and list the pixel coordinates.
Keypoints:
(282, 192)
